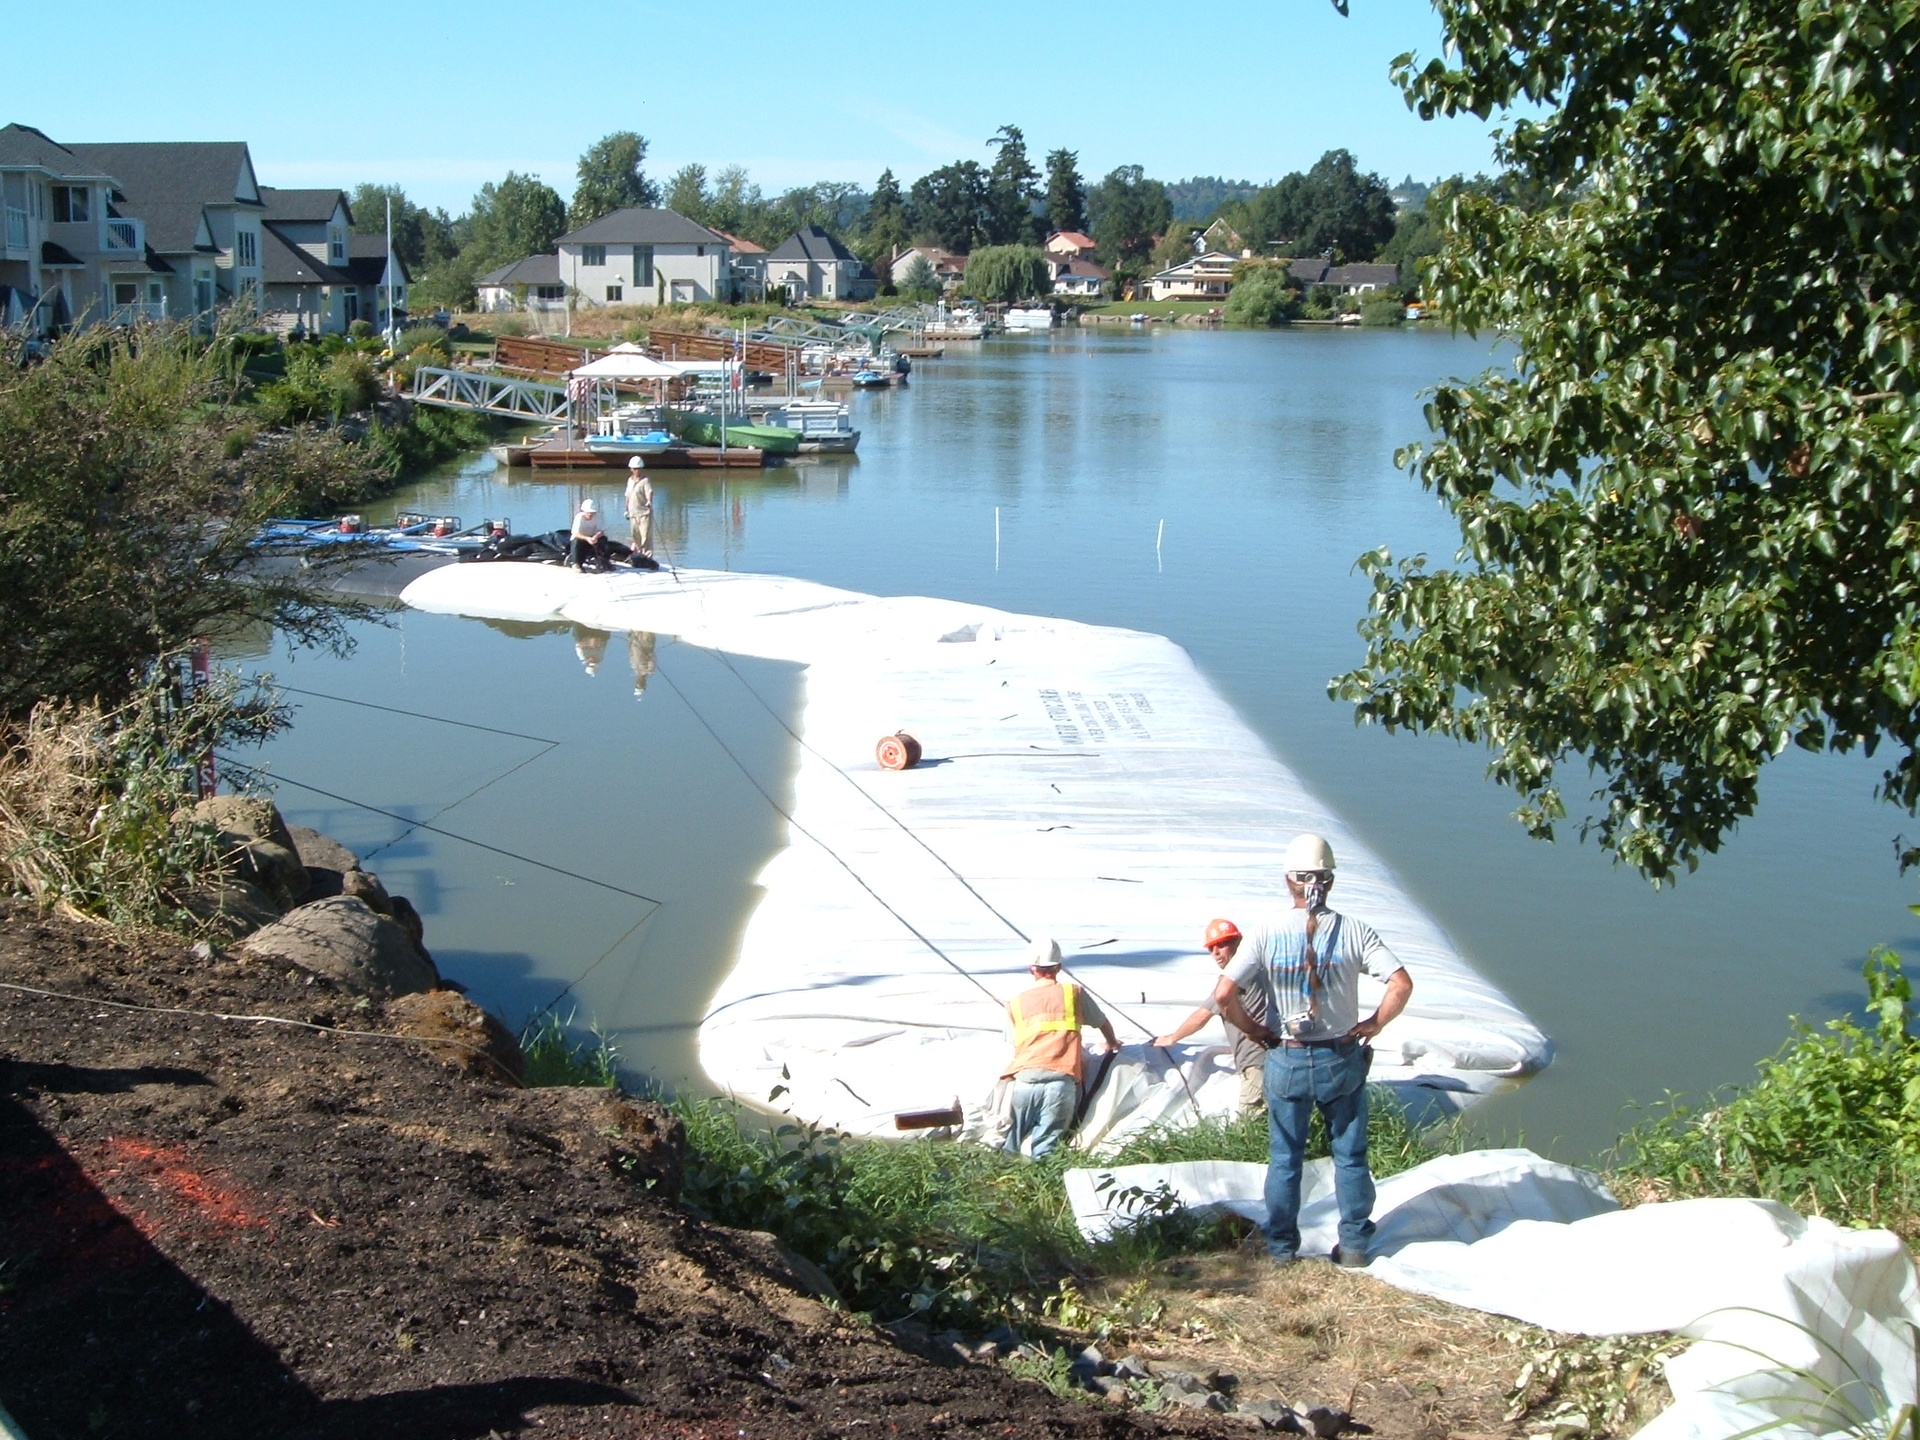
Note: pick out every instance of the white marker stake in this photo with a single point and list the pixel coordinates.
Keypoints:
(996, 537)
(1156, 546)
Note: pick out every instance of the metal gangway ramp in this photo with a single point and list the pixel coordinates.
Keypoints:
(512, 396)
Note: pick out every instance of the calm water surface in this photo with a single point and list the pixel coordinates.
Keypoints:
(1268, 459)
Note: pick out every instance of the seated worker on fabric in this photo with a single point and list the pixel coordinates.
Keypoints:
(588, 537)
(1249, 980)
(1048, 1066)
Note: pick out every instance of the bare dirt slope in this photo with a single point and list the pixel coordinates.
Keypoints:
(212, 1228)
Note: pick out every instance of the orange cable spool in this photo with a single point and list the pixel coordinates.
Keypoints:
(899, 751)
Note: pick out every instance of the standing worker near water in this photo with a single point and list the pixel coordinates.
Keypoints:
(1321, 1048)
(1048, 1065)
(1247, 981)
(640, 506)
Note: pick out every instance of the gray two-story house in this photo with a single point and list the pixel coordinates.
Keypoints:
(642, 256)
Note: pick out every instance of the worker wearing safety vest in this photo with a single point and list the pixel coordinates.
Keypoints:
(1047, 1068)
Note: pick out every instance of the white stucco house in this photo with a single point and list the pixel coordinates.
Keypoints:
(1205, 277)
(810, 264)
(642, 256)
(530, 284)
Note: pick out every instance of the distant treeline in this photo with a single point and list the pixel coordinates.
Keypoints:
(1139, 223)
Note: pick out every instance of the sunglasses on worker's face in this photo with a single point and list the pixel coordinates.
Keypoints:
(1310, 877)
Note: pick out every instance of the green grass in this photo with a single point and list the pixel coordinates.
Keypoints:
(1831, 1126)
(558, 1054)
(1162, 309)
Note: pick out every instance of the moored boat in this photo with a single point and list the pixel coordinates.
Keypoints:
(823, 426)
(1030, 317)
(705, 429)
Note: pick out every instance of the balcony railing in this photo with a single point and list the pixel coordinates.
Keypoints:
(16, 228)
(124, 234)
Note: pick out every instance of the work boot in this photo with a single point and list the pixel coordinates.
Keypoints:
(1349, 1259)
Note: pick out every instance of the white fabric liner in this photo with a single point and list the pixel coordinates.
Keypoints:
(1080, 781)
(1762, 1290)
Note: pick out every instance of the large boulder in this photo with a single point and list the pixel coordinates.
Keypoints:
(477, 1043)
(325, 858)
(344, 940)
(255, 845)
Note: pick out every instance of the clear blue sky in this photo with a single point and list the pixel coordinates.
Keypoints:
(832, 92)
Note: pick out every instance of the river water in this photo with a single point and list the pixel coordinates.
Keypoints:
(1211, 486)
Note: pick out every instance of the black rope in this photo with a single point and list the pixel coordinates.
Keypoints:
(412, 714)
(434, 829)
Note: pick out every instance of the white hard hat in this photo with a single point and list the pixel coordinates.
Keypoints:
(1307, 852)
(587, 507)
(1043, 954)
(636, 463)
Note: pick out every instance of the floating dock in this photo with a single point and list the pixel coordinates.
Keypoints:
(561, 454)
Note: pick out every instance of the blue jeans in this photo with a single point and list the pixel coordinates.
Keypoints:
(1043, 1111)
(1333, 1079)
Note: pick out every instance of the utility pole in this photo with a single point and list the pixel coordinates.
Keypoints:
(392, 332)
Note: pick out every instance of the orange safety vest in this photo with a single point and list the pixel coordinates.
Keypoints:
(1046, 1030)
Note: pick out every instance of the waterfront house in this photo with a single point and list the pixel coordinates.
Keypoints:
(179, 234)
(644, 256)
(45, 282)
(1221, 237)
(949, 269)
(304, 265)
(1347, 279)
(1204, 277)
(749, 262)
(810, 264)
(1070, 245)
(531, 284)
(1078, 277)
(374, 283)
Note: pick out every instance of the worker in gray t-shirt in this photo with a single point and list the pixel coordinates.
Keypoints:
(1321, 1051)
(1249, 981)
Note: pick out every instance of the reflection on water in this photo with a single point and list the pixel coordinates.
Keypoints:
(1214, 487)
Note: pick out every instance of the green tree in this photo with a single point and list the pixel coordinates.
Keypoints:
(949, 206)
(1174, 248)
(1330, 208)
(687, 193)
(512, 220)
(1128, 213)
(421, 237)
(1262, 294)
(1004, 274)
(1066, 192)
(131, 492)
(919, 281)
(1688, 510)
(609, 178)
(1012, 184)
(886, 227)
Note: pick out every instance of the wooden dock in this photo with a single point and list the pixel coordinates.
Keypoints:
(922, 352)
(564, 454)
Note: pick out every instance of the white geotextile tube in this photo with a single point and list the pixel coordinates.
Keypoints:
(1080, 781)
(1802, 1328)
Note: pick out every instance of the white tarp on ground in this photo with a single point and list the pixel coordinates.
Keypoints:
(1080, 781)
(1765, 1292)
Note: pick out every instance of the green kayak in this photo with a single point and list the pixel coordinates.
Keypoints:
(774, 439)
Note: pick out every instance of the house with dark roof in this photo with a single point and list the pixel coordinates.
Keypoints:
(65, 252)
(645, 256)
(320, 276)
(531, 284)
(810, 264)
(1347, 279)
(1078, 277)
(190, 212)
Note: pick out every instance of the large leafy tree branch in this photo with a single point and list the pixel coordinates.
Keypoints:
(1688, 512)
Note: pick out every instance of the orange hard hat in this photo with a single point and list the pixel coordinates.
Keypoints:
(1218, 930)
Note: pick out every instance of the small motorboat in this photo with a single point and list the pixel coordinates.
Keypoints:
(824, 427)
(868, 379)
